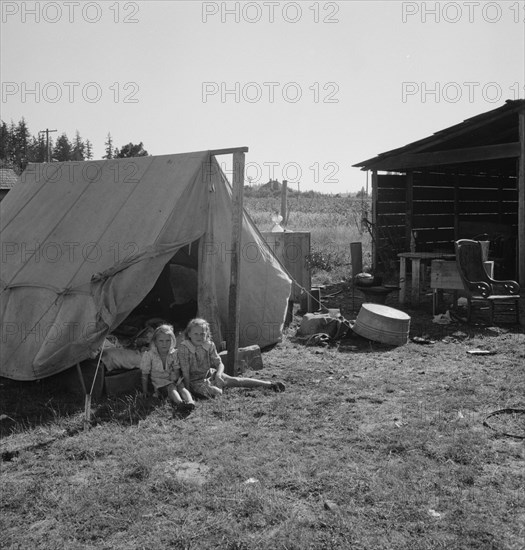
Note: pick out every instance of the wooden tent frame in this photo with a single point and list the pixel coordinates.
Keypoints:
(234, 304)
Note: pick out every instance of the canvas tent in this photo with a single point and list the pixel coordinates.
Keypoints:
(83, 243)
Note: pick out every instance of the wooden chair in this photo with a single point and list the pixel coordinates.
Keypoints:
(502, 296)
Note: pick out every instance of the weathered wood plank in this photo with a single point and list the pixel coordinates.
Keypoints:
(521, 211)
(481, 181)
(452, 156)
(433, 221)
(391, 195)
(391, 181)
(505, 195)
(232, 336)
(391, 208)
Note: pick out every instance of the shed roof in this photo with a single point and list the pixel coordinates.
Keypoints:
(490, 140)
(8, 178)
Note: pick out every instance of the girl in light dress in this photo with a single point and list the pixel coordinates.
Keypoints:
(160, 364)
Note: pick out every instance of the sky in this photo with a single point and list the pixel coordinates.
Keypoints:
(310, 87)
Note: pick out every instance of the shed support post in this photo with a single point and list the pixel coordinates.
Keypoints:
(521, 202)
(374, 220)
(409, 212)
(456, 206)
(232, 337)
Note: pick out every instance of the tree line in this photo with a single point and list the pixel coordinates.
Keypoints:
(18, 147)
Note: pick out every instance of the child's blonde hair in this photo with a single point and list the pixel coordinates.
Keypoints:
(164, 329)
(198, 322)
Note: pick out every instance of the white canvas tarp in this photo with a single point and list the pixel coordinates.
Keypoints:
(82, 243)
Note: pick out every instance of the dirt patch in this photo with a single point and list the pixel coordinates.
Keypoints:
(187, 472)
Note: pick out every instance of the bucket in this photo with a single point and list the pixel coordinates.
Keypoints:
(314, 300)
(382, 324)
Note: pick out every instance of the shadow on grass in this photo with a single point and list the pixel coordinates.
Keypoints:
(25, 406)
(125, 410)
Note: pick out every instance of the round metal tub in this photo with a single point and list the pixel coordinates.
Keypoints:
(382, 324)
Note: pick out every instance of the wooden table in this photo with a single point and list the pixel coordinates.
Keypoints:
(416, 258)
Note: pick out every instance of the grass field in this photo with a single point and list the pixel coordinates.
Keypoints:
(333, 222)
(371, 447)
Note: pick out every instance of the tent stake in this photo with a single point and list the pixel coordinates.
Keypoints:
(232, 336)
(87, 403)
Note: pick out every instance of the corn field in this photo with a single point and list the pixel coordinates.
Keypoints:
(333, 223)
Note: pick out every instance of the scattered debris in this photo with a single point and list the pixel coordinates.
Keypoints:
(516, 413)
(251, 480)
(442, 318)
(348, 348)
(331, 506)
(456, 316)
(481, 352)
(422, 340)
(320, 339)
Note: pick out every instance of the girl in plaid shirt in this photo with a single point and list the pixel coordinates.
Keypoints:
(202, 368)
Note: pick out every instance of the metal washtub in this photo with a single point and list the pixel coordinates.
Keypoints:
(382, 324)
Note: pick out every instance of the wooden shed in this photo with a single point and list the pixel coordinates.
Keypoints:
(466, 181)
(8, 179)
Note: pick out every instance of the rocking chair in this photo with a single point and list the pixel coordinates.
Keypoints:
(500, 295)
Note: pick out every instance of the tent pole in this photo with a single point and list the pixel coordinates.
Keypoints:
(232, 336)
(206, 300)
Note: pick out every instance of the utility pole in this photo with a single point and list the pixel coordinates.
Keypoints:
(284, 202)
(47, 131)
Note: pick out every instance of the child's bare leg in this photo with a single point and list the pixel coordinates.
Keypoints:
(206, 391)
(214, 391)
(239, 382)
(173, 394)
(186, 395)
